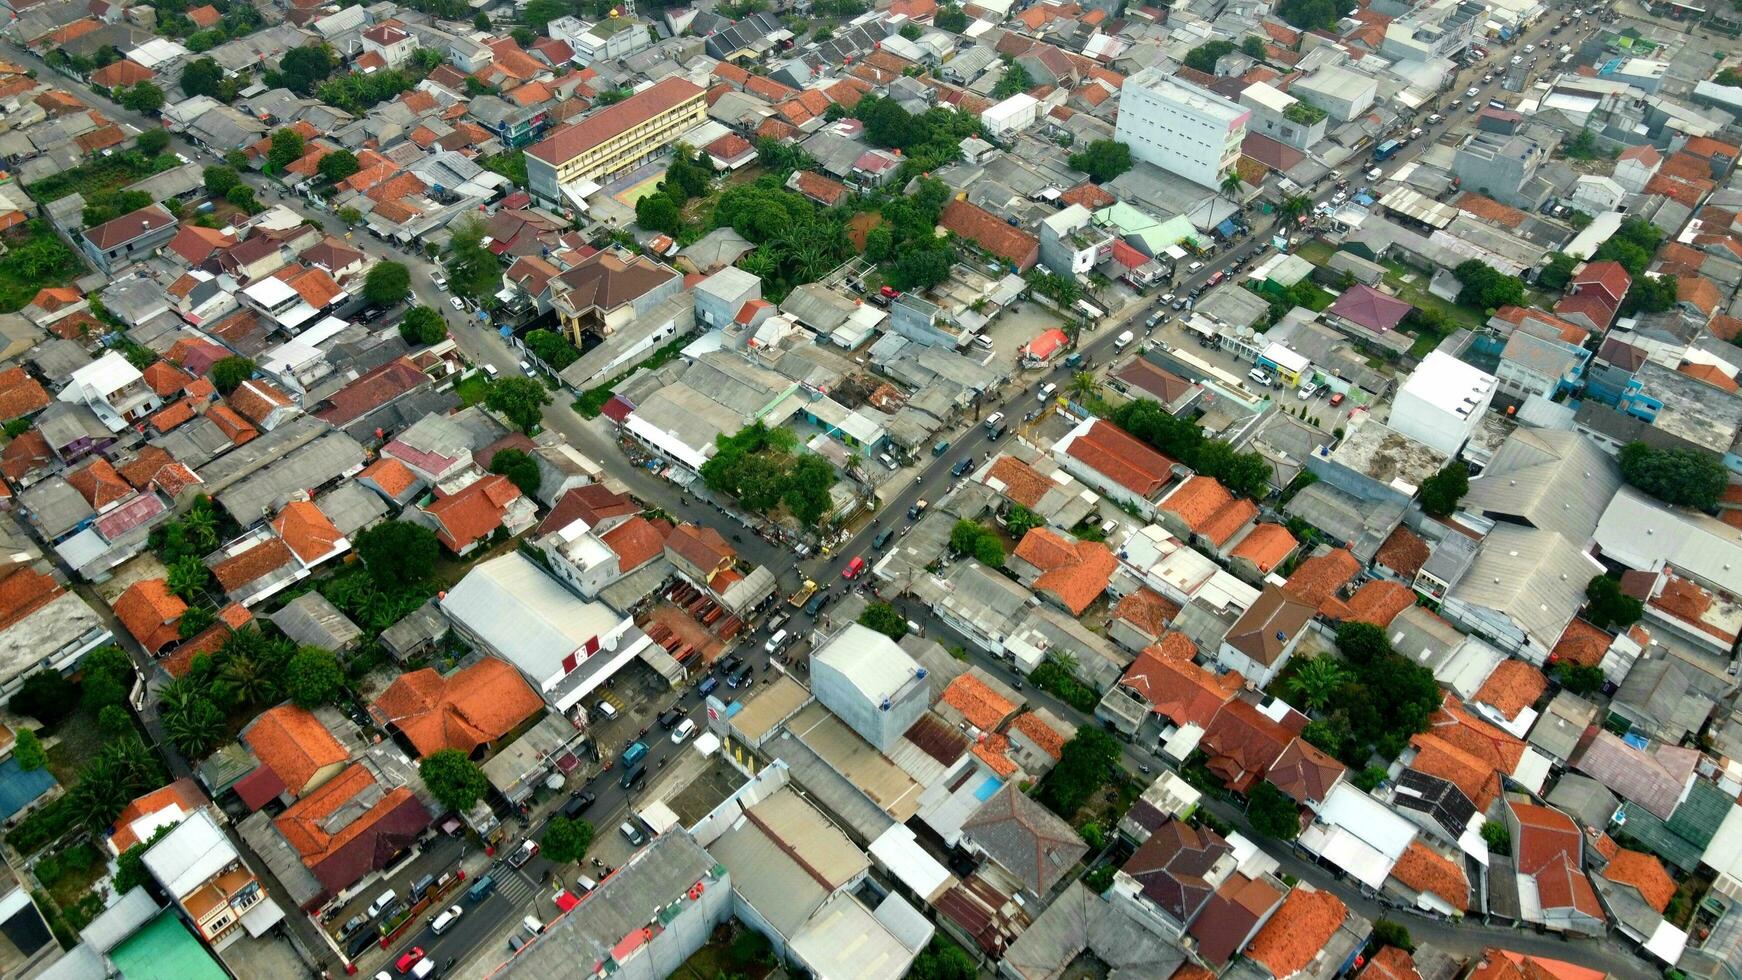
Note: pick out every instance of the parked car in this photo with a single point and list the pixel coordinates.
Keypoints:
(523, 853)
(1124, 340)
(457, 303)
(1336, 398)
(632, 833)
(684, 730)
(1307, 391)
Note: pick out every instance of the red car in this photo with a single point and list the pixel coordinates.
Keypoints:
(1336, 398)
(854, 567)
(409, 958)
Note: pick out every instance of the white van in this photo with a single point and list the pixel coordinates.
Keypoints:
(446, 920)
(1047, 391)
(422, 970)
(776, 641)
(887, 461)
(1258, 377)
(1123, 340)
(383, 902)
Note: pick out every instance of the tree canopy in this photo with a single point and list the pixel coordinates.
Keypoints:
(474, 272)
(1204, 56)
(1273, 812)
(1441, 492)
(978, 542)
(1632, 245)
(566, 841)
(552, 348)
(1485, 288)
(885, 619)
(454, 780)
(143, 97)
(1085, 763)
(398, 552)
(229, 373)
(520, 400)
(1014, 81)
(338, 165)
(764, 469)
(518, 467)
(1103, 160)
(1307, 15)
(1181, 439)
(950, 18)
(201, 76)
(422, 326)
(1558, 272)
(313, 677)
(1608, 607)
(287, 147)
(387, 283)
(1684, 477)
(303, 69)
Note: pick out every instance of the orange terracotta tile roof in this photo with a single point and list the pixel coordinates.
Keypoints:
(170, 416)
(183, 793)
(1711, 374)
(122, 73)
(232, 425)
(294, 744)
(1122, 458)
(1606, 846)
(1266, 546)
(1513, 686)
(636, 542)
(52, 298)
(1017, 480)
(139, 471)
(1089, 196)
(1489, 209)
(1700, 293)
(1706, 147)
(239, 570)
(1547, 848)
(1424, 870)
(819, 188)
(1148, 610)
(727, 71)
(767, 88)
(470, 707)
(150, 612)
(166, 379)
(256, 399)
(473, 512)
(1302, 927)
(1075, 572)
(1040, 733)
(1568, 331)
(99, 484)
(1404, 552)
(1480, 739)
(1475, 779)
(1644, 873)
(983, 707)
(1391, 963)
(1191, 971)
(1318, 579)
(309, 534)
(1379, 602)
(1725, 327)
(391, 475)
(991, 233)
(20, 394)
(993, 751)
(305, 825)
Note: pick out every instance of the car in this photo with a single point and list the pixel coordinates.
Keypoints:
(1434, 118)
(517, 942)
(684, 730)
(1517, 60)
(1471, 92)
(383, 902)
(962, 466)
(1167, 298)
(1566, 49)
(1487, 78)
(775, 642)
(523, 853)
(993, 422)
(669, 718)
(731, 663)
(1259, 377)
(1179, 303)
(605, 710)
(446, 920)
(1218, 278)
(917, 509)
(857, 565)
(1339, 197)
(457, 303)
(531, 924)
(632, 833)
(742, 677)
(1195, 266)
(889, 292)
(816, 603)
(1123, 340)
(408, 959)
(1336, 398)
(422, 969)
(351, 926)
(578, 804)
(436, 277)
(982, 341)
(1530, 49)
(1307, 391)
(1047, 391)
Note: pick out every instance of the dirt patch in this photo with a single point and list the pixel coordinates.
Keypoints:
(861, 226)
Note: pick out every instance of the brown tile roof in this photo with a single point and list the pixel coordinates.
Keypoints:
(1272, 622)
(576, 138)
(166, 379)
(23, 592)
(1489, 209)
(592, 503)
(1176, 688)
(133, 225)
(339, 853)
(636, 542)
(1241, 742)
(20, 394)
(1404, 552)
(1305, 773)
(122, 73)
(1390, 963)
(989, 232)
(1700, 293)
(701, 546)
(1075, 572)
(473, 706)
(1266, 546)
(474, 512)
(1298, 931)
(239, 570)
(1513, 686)
(1644, 873)
(307, 531)
(978, 703)
(1425, 870)
(1547, 848)
(24, 455)
(294, 744)
(1149, 611)
(151, 613)
(99, 484)
(1709, 373)
(232, 425)
(1017, 480)
(139, 471)
(819, 188)
(371, 391)
(1044, 736)
(1175, 867)
(607, 281)
(256, 399)
(1379, 602)
(1122, 458)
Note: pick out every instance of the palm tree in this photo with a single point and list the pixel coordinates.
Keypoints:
(1317, 681)
(187, 577)
(1231, 185)
(1084, 384)
(1066, 661)
(247, 682)
(201, 526)
(196, 729)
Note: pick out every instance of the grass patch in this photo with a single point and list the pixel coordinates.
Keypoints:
(35, 258)
(101, 174)
(592, 401)
(472, 388)
(1317, 251)
(76, 741)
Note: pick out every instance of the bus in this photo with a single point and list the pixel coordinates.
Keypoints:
(1385, 150)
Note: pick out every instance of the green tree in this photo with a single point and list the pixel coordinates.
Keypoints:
(657, 212)
(387, 283)
(1102, 160)
(1498, 838)
(286, 149)
(194, 621)
(114, 721)
(1632, 245)
(944, 960)
(1578, 679)
(1231, 190)
(1389, 933)
(552, 348)
(201, 76)
(1362, 643)
(143, 98)
(1253, 47)
(303, 69)
(1441, 492)
(1368, 779)
(1683, 477)
(520, 400)
(566, 841)
(27, 749)
(1084, 765)
(422, 326)
(1558, 272)
(474, 272)
(1020, 520)
(1308, 15)
(1316, 680)
(920, 270)
(220, 180)
(1484, 288)
(195, 726)
(1607, 606)
(398, 553)
(1014, 81)
(313, 677)
(46, 696)
(1273, 812)
(152, 142)
(187, 577)
(350, 215)
(454, 780)
(883, 617)
(1650, 294)
(228, 373)
(1204, 56)
(338, 165)
(1729, 76)
(539, 13)
(520, 469)
(243, 197)
(951, 18)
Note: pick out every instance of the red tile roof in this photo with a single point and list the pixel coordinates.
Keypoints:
(983, 707)
(294, 744)
(1379, 602)
(309, 534)
(1299, 930)
(1241, 743)
(636, 542)
(1425, 870)
(1582, 645)
(151, 613)
(474, 512)
(20, 394)
(1074, 572)
(1266, 546)
(985, 229)
(1513, 686)
(576, 138)
(1122, 458)
(474, 706)
(99, 484)
(1645, 873)
(1547, 847)
(341, 853)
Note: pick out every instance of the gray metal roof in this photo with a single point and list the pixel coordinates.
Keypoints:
(1025, 838)
(1558, 481)
(312, 620)
(1536, 577)
(319, 462)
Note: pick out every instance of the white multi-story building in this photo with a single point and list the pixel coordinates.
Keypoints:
(1442, 403)
(1180, 127)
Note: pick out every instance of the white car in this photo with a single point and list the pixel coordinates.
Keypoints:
(1530, 49)
(1375, 174)
(683, 731)
(1470, 92)
(1518, 59)
(1307, 390)
(457, 303)
(446, 920)
(1339, 197)
(1195, 266)
(1047, 391)
(1123, 340)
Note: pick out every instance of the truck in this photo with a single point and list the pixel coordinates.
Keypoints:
(802, 594)
(633, 754)
(1386, 150)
